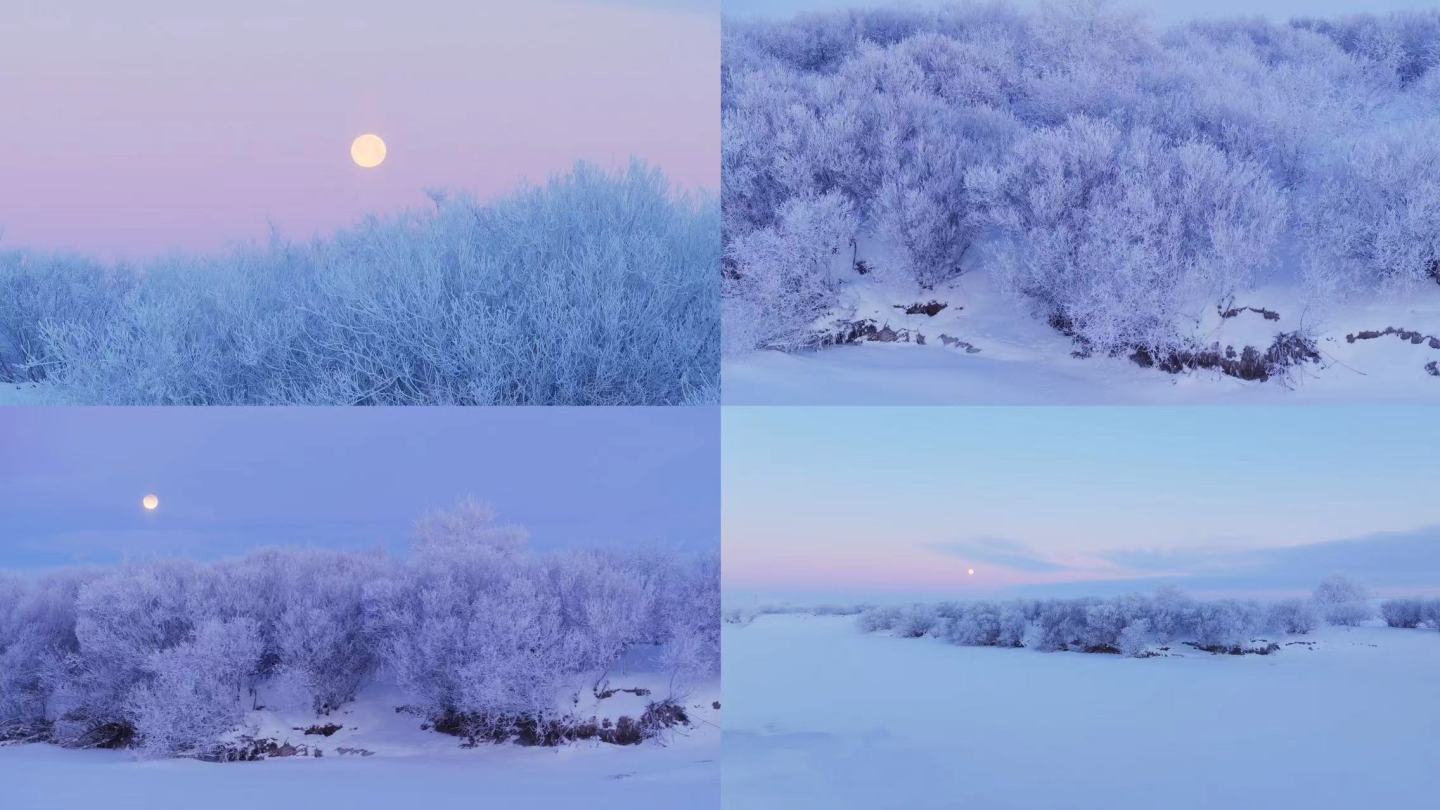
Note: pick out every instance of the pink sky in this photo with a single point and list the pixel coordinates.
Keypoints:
(134, 129)
(902, 501)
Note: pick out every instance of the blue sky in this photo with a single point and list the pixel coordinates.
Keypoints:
(1164, 11)
(232, 479)
(907, 500)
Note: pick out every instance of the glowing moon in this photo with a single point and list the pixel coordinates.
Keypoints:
(150, 502)
(368, 151)
(970, 572)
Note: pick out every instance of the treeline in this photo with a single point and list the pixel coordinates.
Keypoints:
(1411, 612)
(477, 632)
(1123, 181)
(1131, 625)
(595, 289)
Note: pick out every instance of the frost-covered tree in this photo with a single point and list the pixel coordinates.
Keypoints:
(320, 634)
(1431, 612)
(1226, 622)
(469, 523)
(977, 624)
(194, 692)
(916, 621)
(604, 603)
(38, 292)
(1369, 219)
(877, 619)
(783, 277)
(688, 628)
(472, 627)
(1124, 238)
(1403, 612)
(1136, 177)
(1135, 638)
(1293, 616)
(1128, 624)
(121, 619)
(1104, 624)
(1342, 601)
(37, 638)
(596, 288)
(1057, 624)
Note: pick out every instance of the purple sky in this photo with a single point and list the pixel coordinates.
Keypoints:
(133, 129)
(233, 479)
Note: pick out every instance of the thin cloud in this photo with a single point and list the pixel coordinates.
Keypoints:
(1000, 551)
(1388, 561)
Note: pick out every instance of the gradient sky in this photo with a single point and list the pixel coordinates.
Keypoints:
(1163, 11)
(877, 501)
(233, 479)
(134, 129)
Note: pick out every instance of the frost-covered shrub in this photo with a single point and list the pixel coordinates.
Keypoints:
(1399, 46)
(1014, 618)
(977, 624)
(38, 292)
(37, 636)
(1125, 238)
(838, 610)
(1105, 624)
(320, 633)
(1172, 613)
(1292, 616)
(1058, 624)
(1369, 219)
(1135, 638)
(916, 621)
(1225, 623)
(194, 692)
(607, 602)
(877, 619)
(1129, 625)
(472, 625)
(1275, 94)
(1342, 601)
(905, 136)
(477, 635)
(1403, 612)
(596, 289)
(782, 278)
(1138, 177)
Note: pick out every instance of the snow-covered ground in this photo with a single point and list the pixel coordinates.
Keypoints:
(821, 715)
(24, 394)
(406, 766)
(1015, 358)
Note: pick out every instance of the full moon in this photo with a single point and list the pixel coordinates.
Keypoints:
(970, 571)
(368, 151)
(150, 502)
